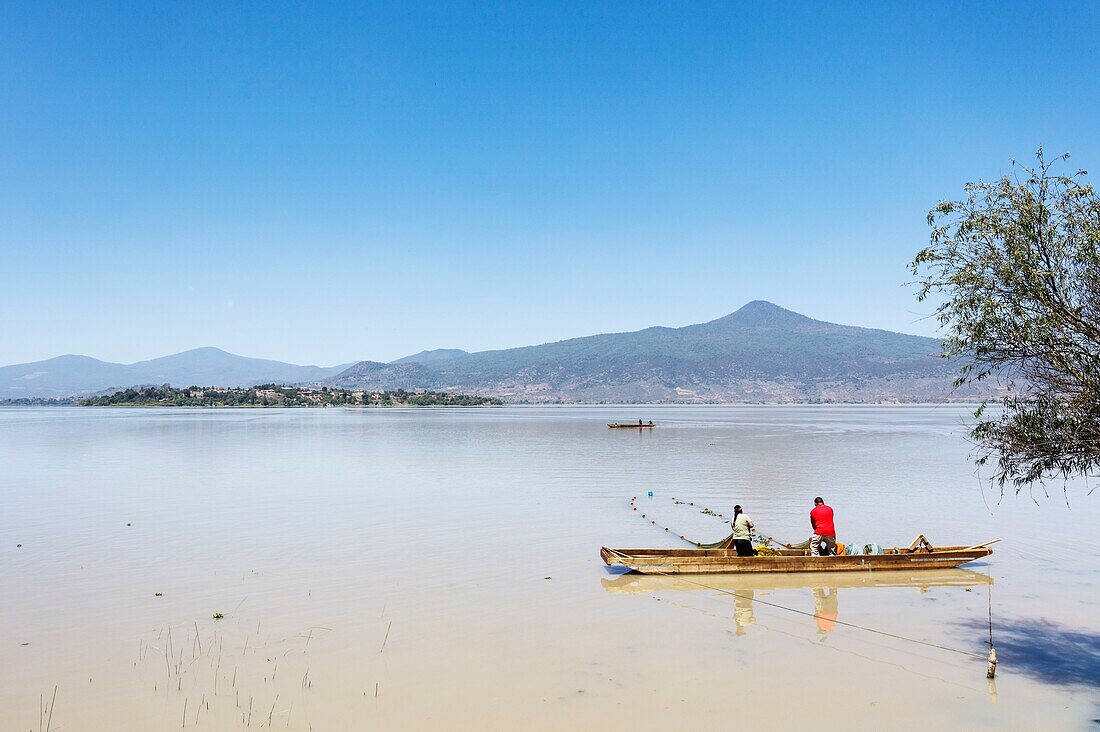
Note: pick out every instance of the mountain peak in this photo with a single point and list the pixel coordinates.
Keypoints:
(207, 366)
(205, 355)
(761, 313)
(761, 306)
(758, 308)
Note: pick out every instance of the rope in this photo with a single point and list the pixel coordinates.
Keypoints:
(766, 540)
(708, 512)
(991, 669)
(633, 506)
(836, 649)
(815, 615)
(989, 596)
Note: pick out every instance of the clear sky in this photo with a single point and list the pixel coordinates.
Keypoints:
(327, 183)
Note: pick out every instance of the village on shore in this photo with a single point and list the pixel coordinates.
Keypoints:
(274, 395)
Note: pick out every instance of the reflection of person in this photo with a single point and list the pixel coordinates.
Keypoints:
(742, 533)
(742, 610)
(825, 609)
(821, 520)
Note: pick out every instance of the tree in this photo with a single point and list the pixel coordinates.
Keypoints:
(1017, 262)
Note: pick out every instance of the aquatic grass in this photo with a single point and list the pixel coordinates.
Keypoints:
(384, 640)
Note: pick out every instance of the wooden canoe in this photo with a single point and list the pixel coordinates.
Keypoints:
(628, 425)
(720, 561)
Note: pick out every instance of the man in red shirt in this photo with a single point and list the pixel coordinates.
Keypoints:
(821, 519)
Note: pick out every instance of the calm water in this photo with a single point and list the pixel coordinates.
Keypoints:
(399, 568)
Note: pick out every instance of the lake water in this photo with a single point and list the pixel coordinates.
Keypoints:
(399, 569)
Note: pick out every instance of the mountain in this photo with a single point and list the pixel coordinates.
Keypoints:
(434, 356)
(760, 353)
(385, 376)
(74, 375)
(215, 367)
(59, 377)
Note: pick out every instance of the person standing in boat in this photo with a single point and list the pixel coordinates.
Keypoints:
(823, 542)
(742, 533)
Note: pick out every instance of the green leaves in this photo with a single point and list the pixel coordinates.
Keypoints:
(1017, 262)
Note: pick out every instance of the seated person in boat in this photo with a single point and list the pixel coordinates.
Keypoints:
(823, 542)
(742, 533)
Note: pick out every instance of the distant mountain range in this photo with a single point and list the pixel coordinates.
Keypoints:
(75, 375)
(760, 353)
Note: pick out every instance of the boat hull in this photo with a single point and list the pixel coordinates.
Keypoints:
(726, 561)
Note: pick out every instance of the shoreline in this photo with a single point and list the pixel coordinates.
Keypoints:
(525, 405)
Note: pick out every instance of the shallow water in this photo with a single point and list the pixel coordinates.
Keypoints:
(394, 569)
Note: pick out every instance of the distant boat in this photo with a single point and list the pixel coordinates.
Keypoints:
(627, 425)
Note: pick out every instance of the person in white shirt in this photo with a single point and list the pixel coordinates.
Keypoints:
(742, 533)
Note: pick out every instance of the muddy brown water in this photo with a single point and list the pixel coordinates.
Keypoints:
(404, 569)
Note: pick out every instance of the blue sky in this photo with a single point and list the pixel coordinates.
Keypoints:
(327, 183)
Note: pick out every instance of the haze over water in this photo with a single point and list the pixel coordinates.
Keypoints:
(395, 569)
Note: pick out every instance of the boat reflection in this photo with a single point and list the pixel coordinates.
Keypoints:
(742, 610)
(826, 608)
(824, 588)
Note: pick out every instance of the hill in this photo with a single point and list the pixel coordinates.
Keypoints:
(75, 375)
(760, 353)
(433, 356)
